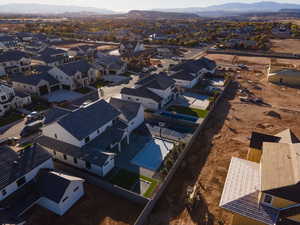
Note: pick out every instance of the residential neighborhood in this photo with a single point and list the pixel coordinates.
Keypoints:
(161, 116)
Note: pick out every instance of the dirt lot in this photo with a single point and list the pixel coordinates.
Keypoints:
(97, 207)
(286, 46)
(258, 63)
(226, 135)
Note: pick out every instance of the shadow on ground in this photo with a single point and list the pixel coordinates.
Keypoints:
(172, 203)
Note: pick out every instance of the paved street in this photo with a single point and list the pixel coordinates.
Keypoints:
(114, 91)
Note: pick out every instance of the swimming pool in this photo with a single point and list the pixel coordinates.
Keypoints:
(179, 116)
(153, 154)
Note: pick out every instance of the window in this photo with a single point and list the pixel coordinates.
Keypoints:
(3, 97)
(75, 160)
(4, 192)
(75, 189)
(98, 131)
(88, 165)
(21, 181)
(65, 157)
(86, 140)
(54, 152)
(55, 135)
(268, 199)
(65, 199)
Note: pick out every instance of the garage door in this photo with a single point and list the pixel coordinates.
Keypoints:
(43, 90)
(55, 88)
(66, 87)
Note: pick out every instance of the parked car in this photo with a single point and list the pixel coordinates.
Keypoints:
(34, 116)
(31, 128)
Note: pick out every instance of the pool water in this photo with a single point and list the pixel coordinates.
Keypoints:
(153, 154)
(179, 116)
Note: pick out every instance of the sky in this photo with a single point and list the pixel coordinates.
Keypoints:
(124, 5)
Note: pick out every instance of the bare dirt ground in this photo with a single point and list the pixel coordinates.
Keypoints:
(226, 135)
(97, 207)
(257, 63)
(286, 45)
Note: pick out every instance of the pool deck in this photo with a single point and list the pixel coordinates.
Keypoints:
(137, 144)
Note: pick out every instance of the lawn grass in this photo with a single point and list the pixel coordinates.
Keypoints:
(10, 118)
(126, 179)
(200, 113)
(151, 189)
(83, 90)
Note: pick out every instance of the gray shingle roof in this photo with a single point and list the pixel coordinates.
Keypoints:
(70, 69)
(92, 155)
(194, 66)
(51, 186)
(157, 81)
(182, 75)
(33, 79)
(54, 114)
(128, 109)
(142, 92)
(85, 121)
(12, 55)
(15, 165)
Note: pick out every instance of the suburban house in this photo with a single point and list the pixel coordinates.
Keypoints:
(11, 99)
(139, 59)
(51, 57)
(281, 31)
(34, 47)
(288, 76)
(24, 36)
(111, 65)
(27, 178)
(7, 42)
(153, 92)
(90, 137)
(87, 52)
(35, 84)
(132, 113)
(264, 188)
(130, 47)
(188, 73)
(13, 61)
(75, 74)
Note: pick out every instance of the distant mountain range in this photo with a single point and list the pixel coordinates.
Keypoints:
(17, 8)
(236, 7)
(228, 9)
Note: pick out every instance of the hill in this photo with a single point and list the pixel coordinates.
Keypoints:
(17, 8)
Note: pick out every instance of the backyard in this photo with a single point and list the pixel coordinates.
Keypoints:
(128, 180)
(199, 113)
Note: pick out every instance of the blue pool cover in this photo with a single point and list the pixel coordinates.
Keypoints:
(153, 154)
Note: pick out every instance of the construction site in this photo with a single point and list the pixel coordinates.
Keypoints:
(250, 104)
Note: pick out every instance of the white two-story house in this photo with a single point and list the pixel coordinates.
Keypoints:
(189, 73)
(91, 136)
(75, 74)
(153, 92)
(27, 178)
(11, 99)
(13, 61)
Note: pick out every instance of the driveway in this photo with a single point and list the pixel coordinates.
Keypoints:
(114, 91)
(62, 95)
(13, 130)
